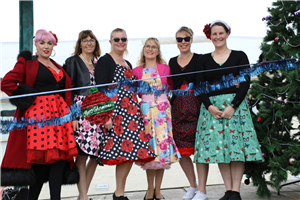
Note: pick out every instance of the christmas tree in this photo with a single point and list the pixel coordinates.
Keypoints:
(276, 96)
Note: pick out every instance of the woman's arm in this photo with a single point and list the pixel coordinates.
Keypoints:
(102, 71)
(244, 86)
(169, 79)
(13, 83)
(200, 77)
(71, 70)
(14, 77)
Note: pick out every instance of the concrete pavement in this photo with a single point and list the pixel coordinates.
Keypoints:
(290, 192)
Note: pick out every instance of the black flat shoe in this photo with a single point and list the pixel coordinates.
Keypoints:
(158, 198)
(227, 195)
(149, 199)
(119, 198)
(235, 196)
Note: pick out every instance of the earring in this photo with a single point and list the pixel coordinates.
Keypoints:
(54, 53)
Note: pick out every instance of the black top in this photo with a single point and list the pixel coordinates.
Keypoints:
(45, 81)
(79, 75)
(105, 69)
(177, 69)
(207, 62)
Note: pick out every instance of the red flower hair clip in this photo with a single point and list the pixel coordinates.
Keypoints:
(206, 30)
(54, 35)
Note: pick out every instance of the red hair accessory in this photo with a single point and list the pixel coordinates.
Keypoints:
(206, 30)
(54, 35)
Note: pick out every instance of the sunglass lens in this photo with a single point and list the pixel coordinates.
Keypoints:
(187, 39)
(179, 39)
(116, 39)
(124, 39)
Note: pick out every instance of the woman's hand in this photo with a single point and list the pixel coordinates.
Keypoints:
(108, 124)
(75, 125)
(228, 112)
(215, 112)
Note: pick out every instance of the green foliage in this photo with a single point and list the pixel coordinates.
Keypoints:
(276, 95)
(285, 25)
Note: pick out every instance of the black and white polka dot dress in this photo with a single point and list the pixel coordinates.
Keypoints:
(126, 141)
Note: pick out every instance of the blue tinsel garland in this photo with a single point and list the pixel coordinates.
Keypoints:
(18, 124)
(143, 87)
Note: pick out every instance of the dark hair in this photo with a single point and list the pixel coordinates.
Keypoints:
(219, 24)
(82, 35)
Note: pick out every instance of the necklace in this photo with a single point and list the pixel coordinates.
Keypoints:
(85, 59)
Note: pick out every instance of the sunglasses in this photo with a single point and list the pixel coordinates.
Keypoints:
(187, 39)
(118, 39)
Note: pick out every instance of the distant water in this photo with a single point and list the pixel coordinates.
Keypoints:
(64, 49)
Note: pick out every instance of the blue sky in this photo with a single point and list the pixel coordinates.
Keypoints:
(140, 18)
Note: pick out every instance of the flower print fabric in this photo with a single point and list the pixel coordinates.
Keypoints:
(158, 127)
(89, 136)
(126, 141)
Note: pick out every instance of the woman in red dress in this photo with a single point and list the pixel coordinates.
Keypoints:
(48, 148)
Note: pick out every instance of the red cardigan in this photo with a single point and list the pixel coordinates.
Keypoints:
(24, 72)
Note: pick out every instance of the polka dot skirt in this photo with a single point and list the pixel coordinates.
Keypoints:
(50, 143)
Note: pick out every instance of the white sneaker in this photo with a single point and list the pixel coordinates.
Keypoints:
(190, 193)
(200, 196)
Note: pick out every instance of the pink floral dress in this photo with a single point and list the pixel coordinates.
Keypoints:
(158, 125)
(89, 136)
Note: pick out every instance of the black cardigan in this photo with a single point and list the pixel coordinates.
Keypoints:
(79, 74)
(105, 69)
(236, 58)
(176, 69)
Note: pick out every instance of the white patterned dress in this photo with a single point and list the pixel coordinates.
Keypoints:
(89, 136)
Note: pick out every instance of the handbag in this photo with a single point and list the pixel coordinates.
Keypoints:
(15, 194)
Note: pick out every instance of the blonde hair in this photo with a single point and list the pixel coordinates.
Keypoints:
(185, 29)
(159, 59)
(116, 30)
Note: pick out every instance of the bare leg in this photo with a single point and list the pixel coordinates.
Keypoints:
(225, 170)
(188, 168)
(90, 171)
(202, 170)
(81, 185)
(150, 179)
(122, 171)
(158, 180)
(237, 171)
